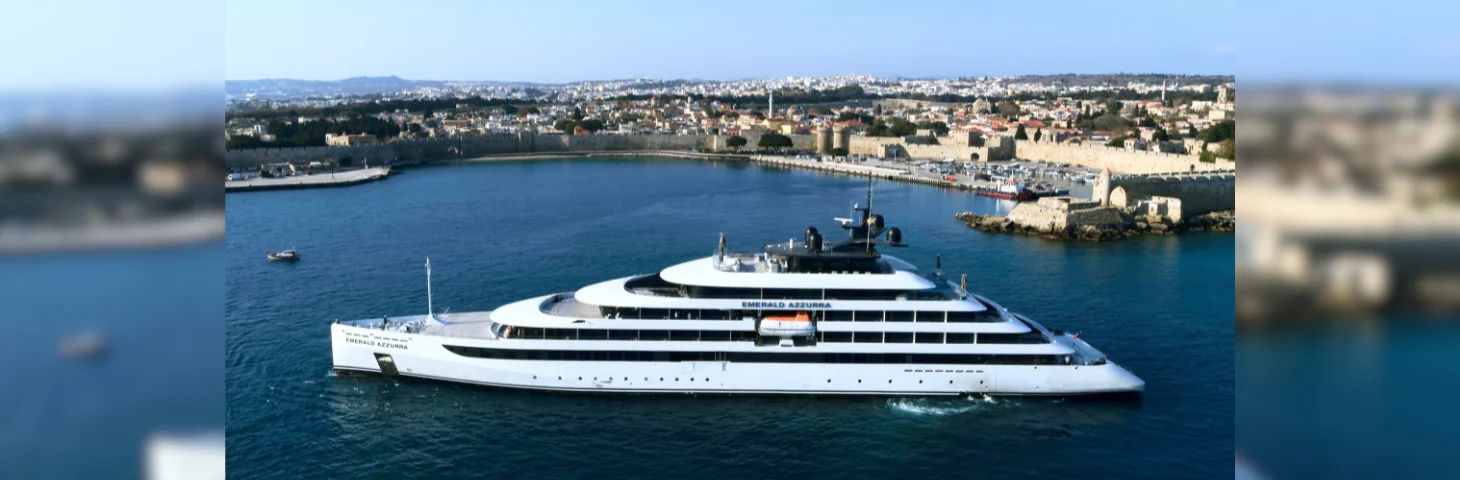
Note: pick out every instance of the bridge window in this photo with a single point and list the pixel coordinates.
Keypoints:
(960, 338)
(868, 316)
(654, 314)
(715, 336)
(935, 337)
(936, 317)
(618, 334)
(898, 337)
(867, 337)
(714, 315)
(998, 338)
(684, 335)
(838, 315)
(592, 334)
(838, 337)
(899, 316)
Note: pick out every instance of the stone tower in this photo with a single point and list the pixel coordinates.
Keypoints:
(1101, 189)
(823, 140)
(841, 138)
(1222, 93)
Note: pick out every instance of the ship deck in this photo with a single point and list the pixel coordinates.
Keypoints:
(460, 325)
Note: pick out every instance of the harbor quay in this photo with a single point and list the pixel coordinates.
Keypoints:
(253, 182)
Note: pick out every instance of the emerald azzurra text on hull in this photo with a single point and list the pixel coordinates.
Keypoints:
(797, 318)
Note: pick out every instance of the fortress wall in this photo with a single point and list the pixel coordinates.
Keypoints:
(1118, 160)
(1198, 193)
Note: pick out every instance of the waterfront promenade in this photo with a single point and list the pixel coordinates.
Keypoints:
(317, 180)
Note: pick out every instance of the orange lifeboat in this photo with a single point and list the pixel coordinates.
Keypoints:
(787, 326)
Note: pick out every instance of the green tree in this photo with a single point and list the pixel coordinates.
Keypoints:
(1161, 135)
(774, 140)
(1118, 142)
(1191, 131)
(1208, 156)
(1112, 122)
(1038, 133)
(878, 128)
(1220, 131)
(510, 109)
(938, 128)
(577, 114)
(414, 128)
(565, 125)
(902, 128)
(735, 142)
(533, 110)
(1019, 134)
(592, 125)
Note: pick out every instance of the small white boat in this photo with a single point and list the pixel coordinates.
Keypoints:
(287, 255)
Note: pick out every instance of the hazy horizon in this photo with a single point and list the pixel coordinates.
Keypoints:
(692, 79)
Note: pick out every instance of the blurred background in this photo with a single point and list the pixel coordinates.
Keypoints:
(1348, 241)
(111, 221)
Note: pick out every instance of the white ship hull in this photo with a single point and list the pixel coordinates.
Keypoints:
(424, 356)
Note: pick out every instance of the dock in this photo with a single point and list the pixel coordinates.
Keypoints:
(317, 180)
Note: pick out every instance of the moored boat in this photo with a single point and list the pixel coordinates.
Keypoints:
(286, 256)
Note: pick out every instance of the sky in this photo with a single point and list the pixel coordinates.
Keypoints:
(567, 40)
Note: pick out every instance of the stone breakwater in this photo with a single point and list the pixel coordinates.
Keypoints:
(1128, 227)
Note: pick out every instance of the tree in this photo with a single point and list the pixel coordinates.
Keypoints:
(1161, 135)
(735, 142)
(510, 109)
(414, 128)
(938, 128)
(774, 140)
(1220, 131)
(1118, 142)
(565, 125)
(878, 128)
(902, 128)
(1019, 134)
(577, 114)
(533, 110)
(1038, 133)
(1111, 122)
(592, 125)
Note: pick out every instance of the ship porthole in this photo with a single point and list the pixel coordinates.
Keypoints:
(859, 380)
(920, 382)
(580, 378)
(828, 380)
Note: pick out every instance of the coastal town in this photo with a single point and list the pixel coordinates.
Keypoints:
(1171, 115)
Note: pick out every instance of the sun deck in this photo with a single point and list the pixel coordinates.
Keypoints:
(461, 325)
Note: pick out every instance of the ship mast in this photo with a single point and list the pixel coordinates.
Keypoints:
(428, 287)
(868, 214)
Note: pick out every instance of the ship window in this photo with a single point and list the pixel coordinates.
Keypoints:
(655, 314)
(838, 316)
(684, 335)
(533, 354)
(998, 338)
(592, 334)
(960, 338)
(899, 316)
(653, 334)
(963, 317)
(714, 315)
(838, 337)
(555, 355)
(715, 336)
(628, 312)
(617, 334)
(615, 356)
(869, 316)
(779, 294)
(933, 337)
(936, 317)
(899, 337)
(867, 337)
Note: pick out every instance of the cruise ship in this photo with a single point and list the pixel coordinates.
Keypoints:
(804, 317)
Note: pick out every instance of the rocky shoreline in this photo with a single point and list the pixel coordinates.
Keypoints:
(1134, 227)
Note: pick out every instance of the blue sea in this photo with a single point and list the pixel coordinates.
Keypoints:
(502, 231)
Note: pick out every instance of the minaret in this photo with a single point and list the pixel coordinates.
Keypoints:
(1163, 92)
(772, 105)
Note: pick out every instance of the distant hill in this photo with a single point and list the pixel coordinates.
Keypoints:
(288, 87)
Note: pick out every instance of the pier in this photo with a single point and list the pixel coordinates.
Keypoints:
(316, 180)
